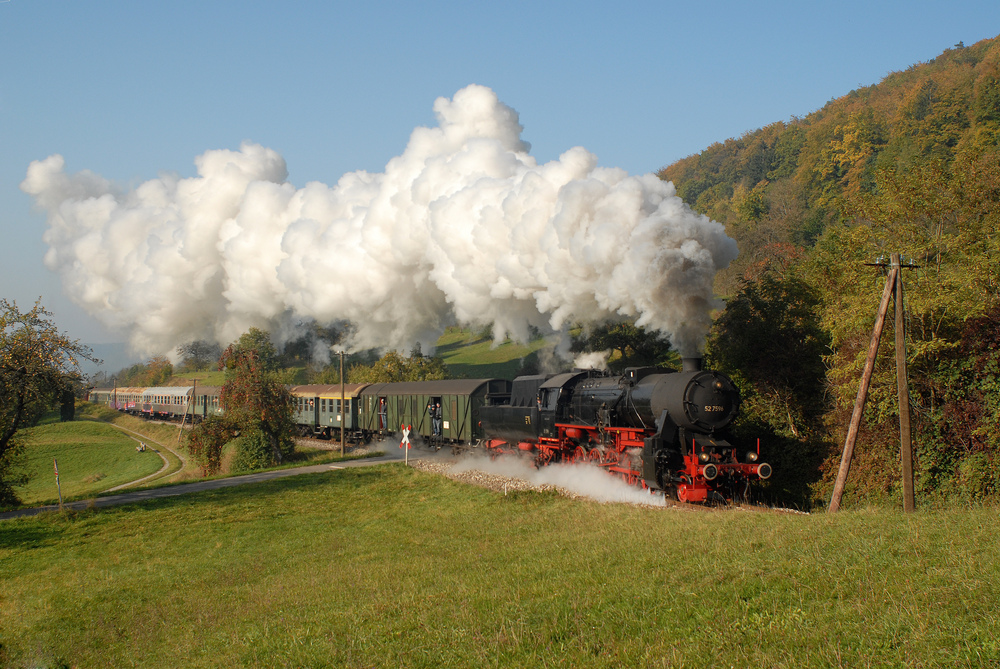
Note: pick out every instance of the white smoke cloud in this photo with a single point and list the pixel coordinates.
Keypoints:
(464, 227)
(594, 360)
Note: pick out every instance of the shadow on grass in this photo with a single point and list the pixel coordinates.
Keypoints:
(224, 491)
(23, 536)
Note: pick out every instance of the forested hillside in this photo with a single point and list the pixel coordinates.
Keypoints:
(910, 165)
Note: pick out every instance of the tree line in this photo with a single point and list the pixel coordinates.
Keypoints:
(912, 166)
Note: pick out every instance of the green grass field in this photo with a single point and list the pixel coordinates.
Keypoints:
(389, 566)
(96, 452)
(92, 457)
(470, 355)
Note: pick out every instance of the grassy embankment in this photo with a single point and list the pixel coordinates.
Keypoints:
(92, 457)
(389, 566)
(97, 452)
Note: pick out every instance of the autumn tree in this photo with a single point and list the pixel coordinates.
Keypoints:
(770, 342)
(630, 345)
(156, 372)
(257, 409)
(393, 367)
(38, 365)
(199, 355)
(770, 337)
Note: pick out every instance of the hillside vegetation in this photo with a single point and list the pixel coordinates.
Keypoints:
(912, 166)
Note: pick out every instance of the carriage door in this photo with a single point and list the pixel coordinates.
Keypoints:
(435, 416)
(382, 414)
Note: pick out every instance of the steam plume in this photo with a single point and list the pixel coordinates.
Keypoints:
(581, 479)
(464, 227)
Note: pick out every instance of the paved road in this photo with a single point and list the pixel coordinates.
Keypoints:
(199, 486)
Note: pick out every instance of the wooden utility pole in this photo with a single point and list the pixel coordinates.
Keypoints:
(55, 465)
(893, 284)
(343, 405)
(859, 403)
(188, 405)
(903, 393)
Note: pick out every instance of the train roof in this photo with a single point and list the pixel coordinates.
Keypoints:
(328, 391)
(438, 387)
(167, 390)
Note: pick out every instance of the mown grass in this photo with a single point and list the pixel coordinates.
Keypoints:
(471, 355)
(167, 438)
(92, 457)
(388, 566)
(98, 442)
(203, 378)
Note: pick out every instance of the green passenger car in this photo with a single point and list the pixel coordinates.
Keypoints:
(318, 409)
(385, 407)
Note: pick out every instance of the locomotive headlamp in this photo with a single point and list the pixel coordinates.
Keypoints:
(752, 456)
(703, 457)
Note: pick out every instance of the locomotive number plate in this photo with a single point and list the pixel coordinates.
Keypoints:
(714, 407)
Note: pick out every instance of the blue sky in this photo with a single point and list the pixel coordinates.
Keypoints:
(130, 90)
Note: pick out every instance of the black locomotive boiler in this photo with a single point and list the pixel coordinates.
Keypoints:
(663, 430)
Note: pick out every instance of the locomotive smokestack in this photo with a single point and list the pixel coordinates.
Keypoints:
(690, 364)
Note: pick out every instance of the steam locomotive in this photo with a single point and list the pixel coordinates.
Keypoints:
(656, 429)
(660, 430)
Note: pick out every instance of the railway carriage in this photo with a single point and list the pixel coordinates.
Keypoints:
(205, 402)
(102, 396)
(166, 402)
(406, 404)
(125, 398)
(317, 409)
